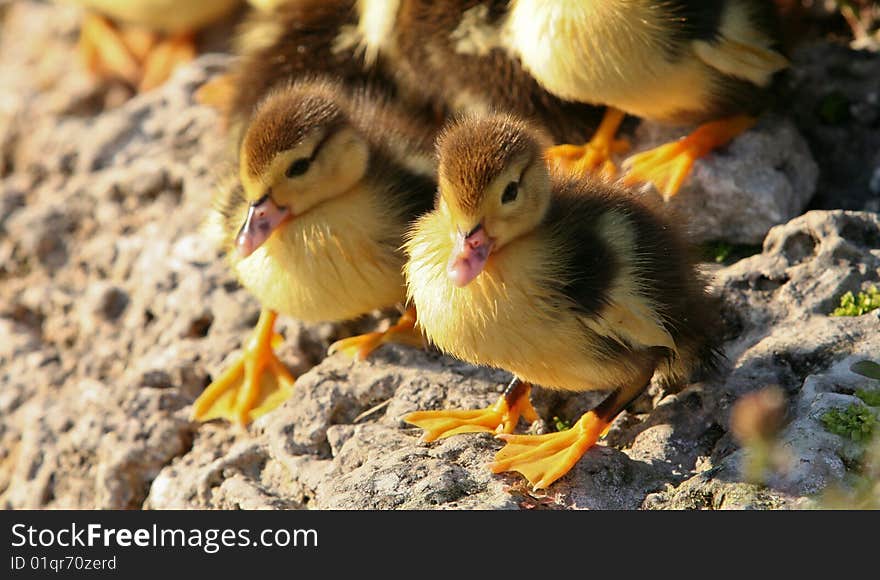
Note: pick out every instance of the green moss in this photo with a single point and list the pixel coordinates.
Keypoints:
(871, 398)
(561, 424)
(856, 422)
(722, 252)
(834, 108)
(865, 302)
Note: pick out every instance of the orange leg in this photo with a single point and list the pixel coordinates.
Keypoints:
(360, 347)
(130, 53)
(254, 385)
(667, 166)
(594, 156)
(502, 417)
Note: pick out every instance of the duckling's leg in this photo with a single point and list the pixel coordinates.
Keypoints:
(594, 156)
(543, 459)
(165, 57)
(106, 51)
(255, 384)
(669, 165)
(501, 417)
(360, 347)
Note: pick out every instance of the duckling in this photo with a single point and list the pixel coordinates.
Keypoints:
(444, 53)
(568, 283)
(328, 181)
(283, 40)
(679, 61)
(121, 38)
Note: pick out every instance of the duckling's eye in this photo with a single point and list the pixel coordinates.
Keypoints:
(298, 167)
(510, 192)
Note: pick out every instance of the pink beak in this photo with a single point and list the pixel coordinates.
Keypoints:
(469, 256)
(263, 218)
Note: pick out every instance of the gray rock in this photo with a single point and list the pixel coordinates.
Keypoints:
(832, 94)
(712, 490)
(341, 444)
(780, 301)
(764, 178)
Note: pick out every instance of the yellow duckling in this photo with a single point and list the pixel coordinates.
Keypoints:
(329, 182)
(566, 283)
(124, 38)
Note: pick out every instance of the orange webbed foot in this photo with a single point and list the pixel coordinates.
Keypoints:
(254, 385)
(668, 166)
(168, 54)
(106, 51)
(501, 417)
(594, 157)
(362, 346)
(132, 54)
(543, 459)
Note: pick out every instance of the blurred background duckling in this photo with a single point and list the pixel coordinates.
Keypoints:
(142, 41)
(329, 181)
(282, 40)
(670, 61)
(568, 283)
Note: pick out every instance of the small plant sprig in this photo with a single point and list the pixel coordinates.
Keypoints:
(561, 424)
(856, 422)
(864, 302)
(722, 252)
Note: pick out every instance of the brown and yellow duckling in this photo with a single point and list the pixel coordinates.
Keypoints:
(142, 41)
(286, 40)
(567, 283)
(671, 61)
(329, 182)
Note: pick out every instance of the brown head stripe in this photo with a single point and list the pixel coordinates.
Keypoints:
(473, 151)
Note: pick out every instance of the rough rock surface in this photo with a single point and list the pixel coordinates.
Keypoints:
(115, 313)
(833, 96)
(765, 177)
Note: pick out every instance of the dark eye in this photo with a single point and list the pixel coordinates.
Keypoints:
(510, 192)
(298, 167)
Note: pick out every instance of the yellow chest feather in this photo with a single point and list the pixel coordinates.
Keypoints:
(328, 264)
(506, 317)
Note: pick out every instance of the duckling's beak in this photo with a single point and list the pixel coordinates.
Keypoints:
(469, 255)
(263, 218)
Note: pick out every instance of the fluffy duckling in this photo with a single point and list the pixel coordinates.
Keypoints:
(671, 61)
(121, 38)
(329, 180)
(445, 53)
(289, 39)
(567, 283)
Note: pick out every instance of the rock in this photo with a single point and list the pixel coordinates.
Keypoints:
(763, 178)
(341, 444)
(832, 94)
(781, 300)
(709, 490)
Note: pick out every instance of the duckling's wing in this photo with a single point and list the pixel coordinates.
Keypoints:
(744, 45)
(607, 275)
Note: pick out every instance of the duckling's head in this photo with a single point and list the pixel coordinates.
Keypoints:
(494, 187)
(298, 151)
